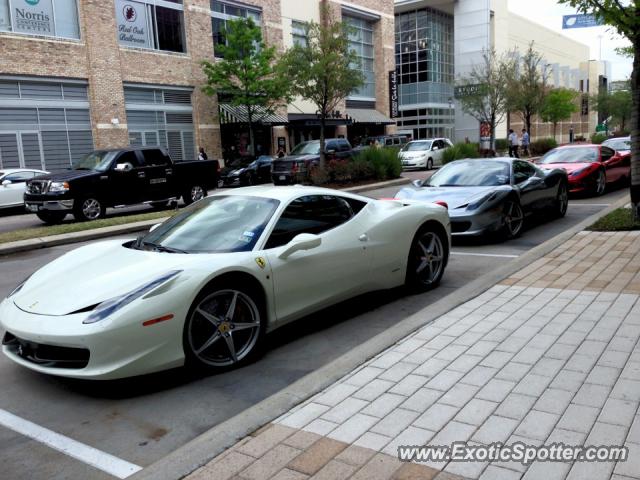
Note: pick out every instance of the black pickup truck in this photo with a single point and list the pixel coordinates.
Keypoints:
(112, 178)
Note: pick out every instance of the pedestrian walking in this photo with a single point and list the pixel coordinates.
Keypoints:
(513, 144)
(202, 155)
(525, 142)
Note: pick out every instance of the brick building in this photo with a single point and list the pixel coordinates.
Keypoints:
(82, 74)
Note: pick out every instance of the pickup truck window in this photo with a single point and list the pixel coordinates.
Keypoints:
(155, 157)
(129, 157)
(99, 161)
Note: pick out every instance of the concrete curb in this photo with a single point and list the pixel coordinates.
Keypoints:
(208, 445)
(65, 238)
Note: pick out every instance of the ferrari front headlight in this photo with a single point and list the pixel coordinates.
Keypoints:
(475, 203)
(106, 308)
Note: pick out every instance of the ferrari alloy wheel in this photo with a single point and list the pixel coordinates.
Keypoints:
(601, 183)
(223, 329)
(513, 219)
(429, 164)
(87, 209)
(562, 200)
(427, 259)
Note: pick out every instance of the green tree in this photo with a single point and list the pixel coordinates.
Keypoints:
(617, 105)
(624, 16)
(248, 73)
(485, 97)
(558, 105)
(323, 70)
(527, 89)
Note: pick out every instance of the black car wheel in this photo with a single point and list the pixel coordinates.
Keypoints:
(224, 327)
(600, 183)
(87, 209)
(427, 259)
(512, 219)
(193, 194)
(51, 218)
(562, 200)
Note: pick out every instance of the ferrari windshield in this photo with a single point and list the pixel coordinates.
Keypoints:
(98, 160)
(416, 146)
(307, 148)
(571, 155)
(216, 224)
(618, 143)
(471, 173)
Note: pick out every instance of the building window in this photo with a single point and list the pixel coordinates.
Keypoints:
(361, 41)
(154, 24)
(424, 56)
(49, 18)
(299, 33)
(221, 12)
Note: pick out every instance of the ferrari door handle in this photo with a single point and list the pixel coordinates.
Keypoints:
(363, 237)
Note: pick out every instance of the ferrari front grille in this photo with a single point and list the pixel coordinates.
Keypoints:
(46, 355)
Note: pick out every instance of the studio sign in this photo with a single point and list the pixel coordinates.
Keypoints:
(32, 16)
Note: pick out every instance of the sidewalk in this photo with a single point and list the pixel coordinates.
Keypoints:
(548, 355)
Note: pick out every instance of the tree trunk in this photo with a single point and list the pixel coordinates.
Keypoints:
(252, 146)
(635, 135)
(322, 156)
(492, 136)
(528, 122)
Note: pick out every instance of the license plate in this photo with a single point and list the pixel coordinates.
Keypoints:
(282, 177)
(32, 208)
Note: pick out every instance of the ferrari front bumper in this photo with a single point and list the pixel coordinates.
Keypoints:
(470, 224)
(116, 347)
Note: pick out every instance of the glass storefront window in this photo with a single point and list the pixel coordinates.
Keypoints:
(361, 42)
(49, 18)
(154, 24)
(299, 33)
(223, 11)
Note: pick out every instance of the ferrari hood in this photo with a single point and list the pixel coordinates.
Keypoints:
(568, 167)
(92, 274)
(453, 196)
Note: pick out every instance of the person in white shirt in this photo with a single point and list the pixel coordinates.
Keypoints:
(513, 144)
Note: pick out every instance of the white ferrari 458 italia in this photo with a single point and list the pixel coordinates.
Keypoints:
(205, 286)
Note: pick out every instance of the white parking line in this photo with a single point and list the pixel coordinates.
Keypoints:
(86, 454)
(485, 255)
(589, 204)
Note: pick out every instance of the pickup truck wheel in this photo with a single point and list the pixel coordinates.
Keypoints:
(87, 209)
(51, 218)
(193, 194)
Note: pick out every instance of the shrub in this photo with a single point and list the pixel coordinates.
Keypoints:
(501, 144)
(542, 146)
(458, 151)
(384, 162)
(598, 138)
(318, 175)
(339, 171)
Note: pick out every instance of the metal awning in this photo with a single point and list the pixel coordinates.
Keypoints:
(368, 115)
(238, 114)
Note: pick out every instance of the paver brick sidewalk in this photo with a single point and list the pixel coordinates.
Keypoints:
(549, 355)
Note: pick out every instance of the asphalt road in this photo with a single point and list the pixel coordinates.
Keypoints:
(143, 419)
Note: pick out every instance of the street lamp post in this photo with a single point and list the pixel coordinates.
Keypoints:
(450, 116)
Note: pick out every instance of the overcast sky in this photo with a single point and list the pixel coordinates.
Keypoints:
(549, 14)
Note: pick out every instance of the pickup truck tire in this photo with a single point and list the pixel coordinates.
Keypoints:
(51, 218)
(193, 194)
(88, 208)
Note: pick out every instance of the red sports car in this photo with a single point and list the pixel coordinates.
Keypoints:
(590, 167)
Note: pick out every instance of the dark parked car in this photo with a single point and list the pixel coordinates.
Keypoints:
(111, 178)
(243, 171)
(396, 140)
(295, 167)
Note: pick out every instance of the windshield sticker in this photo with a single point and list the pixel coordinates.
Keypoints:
(248, 234)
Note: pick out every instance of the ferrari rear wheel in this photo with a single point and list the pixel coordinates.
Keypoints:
(224, 328)
(513, 219)
(427, 259)
(601, 183)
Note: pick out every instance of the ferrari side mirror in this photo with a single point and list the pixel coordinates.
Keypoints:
(304, 241)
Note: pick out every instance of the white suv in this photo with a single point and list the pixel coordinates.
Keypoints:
(424, 153)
